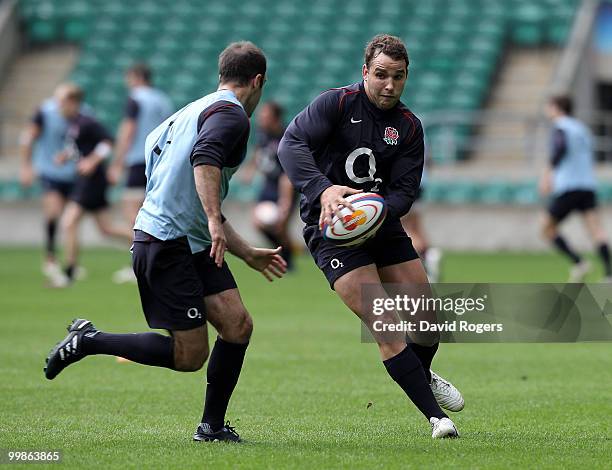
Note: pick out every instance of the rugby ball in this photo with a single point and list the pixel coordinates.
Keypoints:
(354, 228)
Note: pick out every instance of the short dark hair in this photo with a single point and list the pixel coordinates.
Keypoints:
(74, 93)
(276, 108)
(240, 62)
(141, 70)
(388, 45)
(563, 102)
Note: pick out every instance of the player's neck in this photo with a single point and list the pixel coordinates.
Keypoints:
(239, 91)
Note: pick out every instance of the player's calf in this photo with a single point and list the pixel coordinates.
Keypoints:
(190, 351)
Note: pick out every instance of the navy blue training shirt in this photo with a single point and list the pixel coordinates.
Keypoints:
(85, 133)
(342, 138)
(268, 164)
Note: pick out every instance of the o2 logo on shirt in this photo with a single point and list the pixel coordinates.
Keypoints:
(350, 170)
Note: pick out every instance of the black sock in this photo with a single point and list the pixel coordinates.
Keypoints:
(425, 355)
(406, 370)
(561, 244)
(223, 371)
(51, 231)
(69, 270)
(151, 349)
(604, 253)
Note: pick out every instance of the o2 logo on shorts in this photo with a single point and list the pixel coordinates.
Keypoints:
(193, 313)
(335, 263)
(350, 170)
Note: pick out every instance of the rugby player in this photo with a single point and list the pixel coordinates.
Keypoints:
(146, 108)
(90, 145)
(570, 179)
(180, 241)
(277, 196)
(42, 140)
(361, 137)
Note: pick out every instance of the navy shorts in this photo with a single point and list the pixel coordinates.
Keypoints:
(389, 246)
(565, 203)
(136, 176)
(173, 282)
(90, 191)
(65, 188)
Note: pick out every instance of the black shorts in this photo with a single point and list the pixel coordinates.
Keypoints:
(65, 188)
(90, 191)
(389, 246)
(136, 176)
(564, 204)
(173, 282)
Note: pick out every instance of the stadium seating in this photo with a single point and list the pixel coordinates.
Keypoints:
(454, 46)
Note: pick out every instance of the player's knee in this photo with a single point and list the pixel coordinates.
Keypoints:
(105, 230)
(243, 329)
(69, 224)
(549, 231)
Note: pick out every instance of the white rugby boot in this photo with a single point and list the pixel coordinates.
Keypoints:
(442, 428)
(446, 394)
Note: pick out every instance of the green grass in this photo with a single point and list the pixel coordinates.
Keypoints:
(302, 398)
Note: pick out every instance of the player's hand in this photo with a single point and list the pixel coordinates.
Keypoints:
(268, 262)
(332, 200)
(26, 176)
(113, 175)
(219, 242)
(545, 185)
(86, 166)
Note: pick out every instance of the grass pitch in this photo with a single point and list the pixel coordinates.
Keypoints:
(302, 400)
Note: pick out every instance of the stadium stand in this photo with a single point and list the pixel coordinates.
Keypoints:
(455, 49)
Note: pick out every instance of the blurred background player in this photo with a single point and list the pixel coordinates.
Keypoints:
(570, 179)
(413, 224)
(90, 145)
(42, 140)
(146, 108)
(277, 197)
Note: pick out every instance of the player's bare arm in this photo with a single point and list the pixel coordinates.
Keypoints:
(208, 184)
(285, 201)
(267, 261)
(87, 165)
(126, 134)
(30, 134)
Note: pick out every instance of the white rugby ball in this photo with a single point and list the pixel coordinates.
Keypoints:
(354, 228)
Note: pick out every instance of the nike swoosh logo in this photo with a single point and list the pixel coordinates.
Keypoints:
(355, 122)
